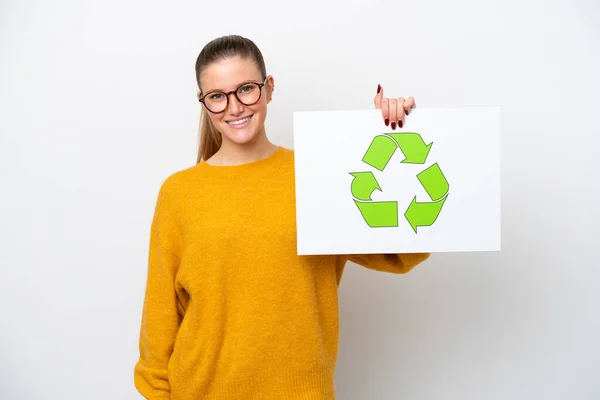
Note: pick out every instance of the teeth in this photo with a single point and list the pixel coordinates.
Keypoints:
(238, 122)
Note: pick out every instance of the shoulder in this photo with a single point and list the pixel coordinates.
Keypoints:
(175, 183)
(287, 153)
(175, 179)
(283, 163)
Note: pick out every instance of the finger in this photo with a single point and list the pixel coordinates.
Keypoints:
(393, 112)
(409, 104)
(400, 111)
(385, 111)
(378, 97)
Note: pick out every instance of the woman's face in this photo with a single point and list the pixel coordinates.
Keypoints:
(227, 75)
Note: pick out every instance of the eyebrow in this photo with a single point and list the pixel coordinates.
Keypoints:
(223, 91)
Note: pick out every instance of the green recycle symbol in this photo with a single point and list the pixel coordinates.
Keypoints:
(378, 214)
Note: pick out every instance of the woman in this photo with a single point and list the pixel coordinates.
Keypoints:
(231, 311)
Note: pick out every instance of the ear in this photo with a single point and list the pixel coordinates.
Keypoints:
(271, 87)
(202, 106)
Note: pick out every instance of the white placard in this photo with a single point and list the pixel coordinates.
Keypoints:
(432, 186)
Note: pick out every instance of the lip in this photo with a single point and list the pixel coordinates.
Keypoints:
(240, 125)
(237, 119)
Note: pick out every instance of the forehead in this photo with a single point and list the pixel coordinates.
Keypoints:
(228, 73)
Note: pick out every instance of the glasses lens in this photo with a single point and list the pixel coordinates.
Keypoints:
(248, 94)
(216, 101)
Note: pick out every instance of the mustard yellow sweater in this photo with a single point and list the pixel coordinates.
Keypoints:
(230, 310)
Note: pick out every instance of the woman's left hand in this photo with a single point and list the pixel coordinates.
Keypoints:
(393, 110)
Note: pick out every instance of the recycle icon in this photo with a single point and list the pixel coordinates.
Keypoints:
(381, 214)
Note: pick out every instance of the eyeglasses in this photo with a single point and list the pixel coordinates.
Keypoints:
(247, 93)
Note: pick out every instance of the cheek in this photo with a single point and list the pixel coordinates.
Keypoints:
(215, 118)
(261, 108)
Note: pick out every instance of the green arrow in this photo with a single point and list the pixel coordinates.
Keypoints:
(379, 214)
(379, 152)
(423, 214)
(412, 145)
(434, 182)
(363, 185)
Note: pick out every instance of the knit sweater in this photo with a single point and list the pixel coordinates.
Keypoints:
(230, 310)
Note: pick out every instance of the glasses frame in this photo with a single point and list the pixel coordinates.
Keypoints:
(260, 86)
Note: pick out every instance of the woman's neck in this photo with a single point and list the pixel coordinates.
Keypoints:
(234, 154)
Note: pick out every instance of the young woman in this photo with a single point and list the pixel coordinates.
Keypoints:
(231, 311)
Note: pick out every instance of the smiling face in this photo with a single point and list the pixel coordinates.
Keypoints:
(239, 123)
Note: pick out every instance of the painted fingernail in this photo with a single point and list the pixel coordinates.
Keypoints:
(378, 89)
(400, 124)
(393, 125)
(407, 112)
(387, 121)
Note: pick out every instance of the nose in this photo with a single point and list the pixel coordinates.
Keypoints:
(235, 107)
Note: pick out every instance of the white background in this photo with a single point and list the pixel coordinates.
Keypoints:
(329, 145)
(98, 107)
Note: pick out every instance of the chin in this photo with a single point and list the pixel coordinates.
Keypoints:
(241, 140)
(241, 137)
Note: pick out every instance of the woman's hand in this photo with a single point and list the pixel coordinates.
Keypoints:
(393, 109)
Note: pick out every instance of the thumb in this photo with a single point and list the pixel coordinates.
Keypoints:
(378, 97)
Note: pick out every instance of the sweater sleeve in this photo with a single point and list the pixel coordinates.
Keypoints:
(160, 318)
(393, 263)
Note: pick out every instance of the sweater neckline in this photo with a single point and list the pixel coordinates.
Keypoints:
(270, 158)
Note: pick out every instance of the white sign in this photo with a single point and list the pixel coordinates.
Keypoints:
(432, 186)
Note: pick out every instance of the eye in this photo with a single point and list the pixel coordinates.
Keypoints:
(247, 88)
(216, 96)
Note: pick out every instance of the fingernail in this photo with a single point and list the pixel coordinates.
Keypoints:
(407, 111)
(400, 124)
(378, 89)
(387, 121)
(393, 125)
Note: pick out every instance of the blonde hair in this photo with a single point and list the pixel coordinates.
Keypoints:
(210, 138)
(219, 49)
